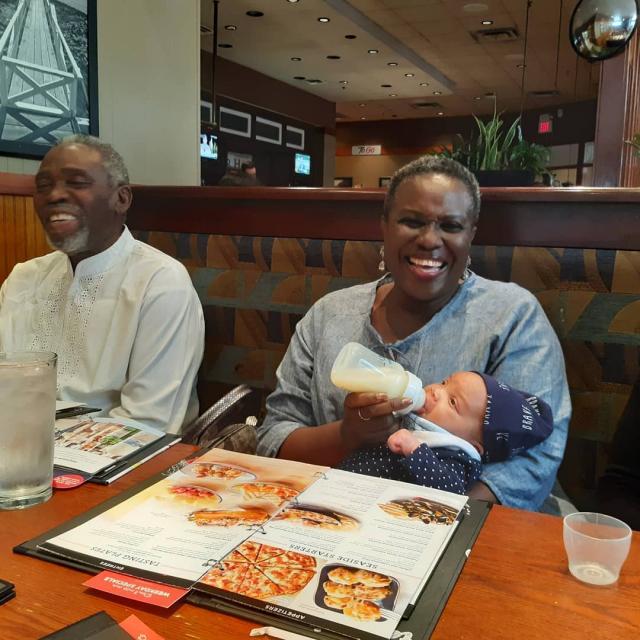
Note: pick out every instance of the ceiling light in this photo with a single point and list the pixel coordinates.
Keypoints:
(292, 1)
(373, 51)
(424, 84)
(476, 97)
(486, 22)
(224, 45)
(296, 59)
(393, 95)
(363, 104)
(363, 117)
(409, 75)
(255, 14)
(475, 7)
(299, 78)
(333, 57)
(520, 66)
(437, 93)
(392, 64)
(386, 86)
(344, 82)
(350, 36)
(324, 19)
(230, 27)
(440, 113)
(314, 81)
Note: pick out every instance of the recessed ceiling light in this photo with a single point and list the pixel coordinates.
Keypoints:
(333, 57)
(409, 75)
(386, 86)
(393, 95)
(363, 117)
(296, 59)
(437, 93)
(392, 64)
(314, 81)
(440, 113)
(344, 82)
(487, 22)
(521, 66)
(230, 27)
(224, 45)
(363, 104)
(324, 19)
(299, 78)
(292, 1)
(476, 97)
(350, 36)
(255, 14)
(373, 51)
(424, 84)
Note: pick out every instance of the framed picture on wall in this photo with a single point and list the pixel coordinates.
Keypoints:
(384, 181)
(343, 182)
(48, 74)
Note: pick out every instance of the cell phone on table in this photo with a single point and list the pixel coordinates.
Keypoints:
(7, 591)
(71, 412)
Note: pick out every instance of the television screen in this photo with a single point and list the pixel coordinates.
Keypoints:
(208, 146)
(303, 164)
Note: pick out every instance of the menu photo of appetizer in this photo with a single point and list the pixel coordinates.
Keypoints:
(275, 493)
(317, 517)
(192, 494)
(217, 471)
(421, 509)
(262, 571)
(356, 593)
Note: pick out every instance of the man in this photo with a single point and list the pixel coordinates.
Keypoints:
(123, 317)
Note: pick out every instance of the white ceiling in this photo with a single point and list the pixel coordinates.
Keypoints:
(429, 38)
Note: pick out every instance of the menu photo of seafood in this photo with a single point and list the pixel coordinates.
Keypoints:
(421, 509)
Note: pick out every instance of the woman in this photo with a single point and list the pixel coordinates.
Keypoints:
(441, 318)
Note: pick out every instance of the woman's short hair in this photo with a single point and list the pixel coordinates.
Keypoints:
(434, 164)
(111, 160)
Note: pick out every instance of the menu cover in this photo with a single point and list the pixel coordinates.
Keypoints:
(264, 537)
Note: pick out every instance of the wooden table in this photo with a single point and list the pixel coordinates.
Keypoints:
(514, 585)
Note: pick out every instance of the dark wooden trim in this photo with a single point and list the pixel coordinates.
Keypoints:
(16, 184)
(582, 217)
(579, 217)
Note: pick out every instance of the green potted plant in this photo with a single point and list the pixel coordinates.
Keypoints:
(635, 143)
(497, 156)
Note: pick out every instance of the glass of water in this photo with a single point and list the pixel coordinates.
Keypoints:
(597, 546)
(27, 417)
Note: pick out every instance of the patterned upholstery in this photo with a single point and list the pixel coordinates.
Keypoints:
(255, 289)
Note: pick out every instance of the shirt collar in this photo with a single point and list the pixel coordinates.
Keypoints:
(104, 260)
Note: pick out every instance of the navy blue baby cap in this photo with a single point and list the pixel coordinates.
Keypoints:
(513, 420)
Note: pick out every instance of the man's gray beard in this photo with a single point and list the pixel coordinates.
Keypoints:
(76, 243)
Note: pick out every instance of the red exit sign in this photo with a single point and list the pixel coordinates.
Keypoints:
(545, 123)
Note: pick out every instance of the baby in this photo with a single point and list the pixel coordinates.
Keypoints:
(467, 419)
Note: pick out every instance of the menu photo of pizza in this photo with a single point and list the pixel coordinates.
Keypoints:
(358, 594)
(421, 509)
(262, 571)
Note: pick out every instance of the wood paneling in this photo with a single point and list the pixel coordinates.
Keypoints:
(21, 235)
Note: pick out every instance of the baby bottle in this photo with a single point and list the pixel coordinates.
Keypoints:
(359, 369)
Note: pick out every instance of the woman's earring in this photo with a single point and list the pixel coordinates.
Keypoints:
(467, 269)
(381, 265)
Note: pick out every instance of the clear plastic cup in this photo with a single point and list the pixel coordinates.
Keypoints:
(597, 546)
(27, 416)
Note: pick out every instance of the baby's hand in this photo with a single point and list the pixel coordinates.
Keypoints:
(403, 442)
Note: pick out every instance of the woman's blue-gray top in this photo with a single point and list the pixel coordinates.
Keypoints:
(494, 327)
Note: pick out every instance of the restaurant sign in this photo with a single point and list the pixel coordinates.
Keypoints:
(366, 150)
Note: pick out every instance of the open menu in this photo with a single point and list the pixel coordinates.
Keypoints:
(99, 447)
(324, 548)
